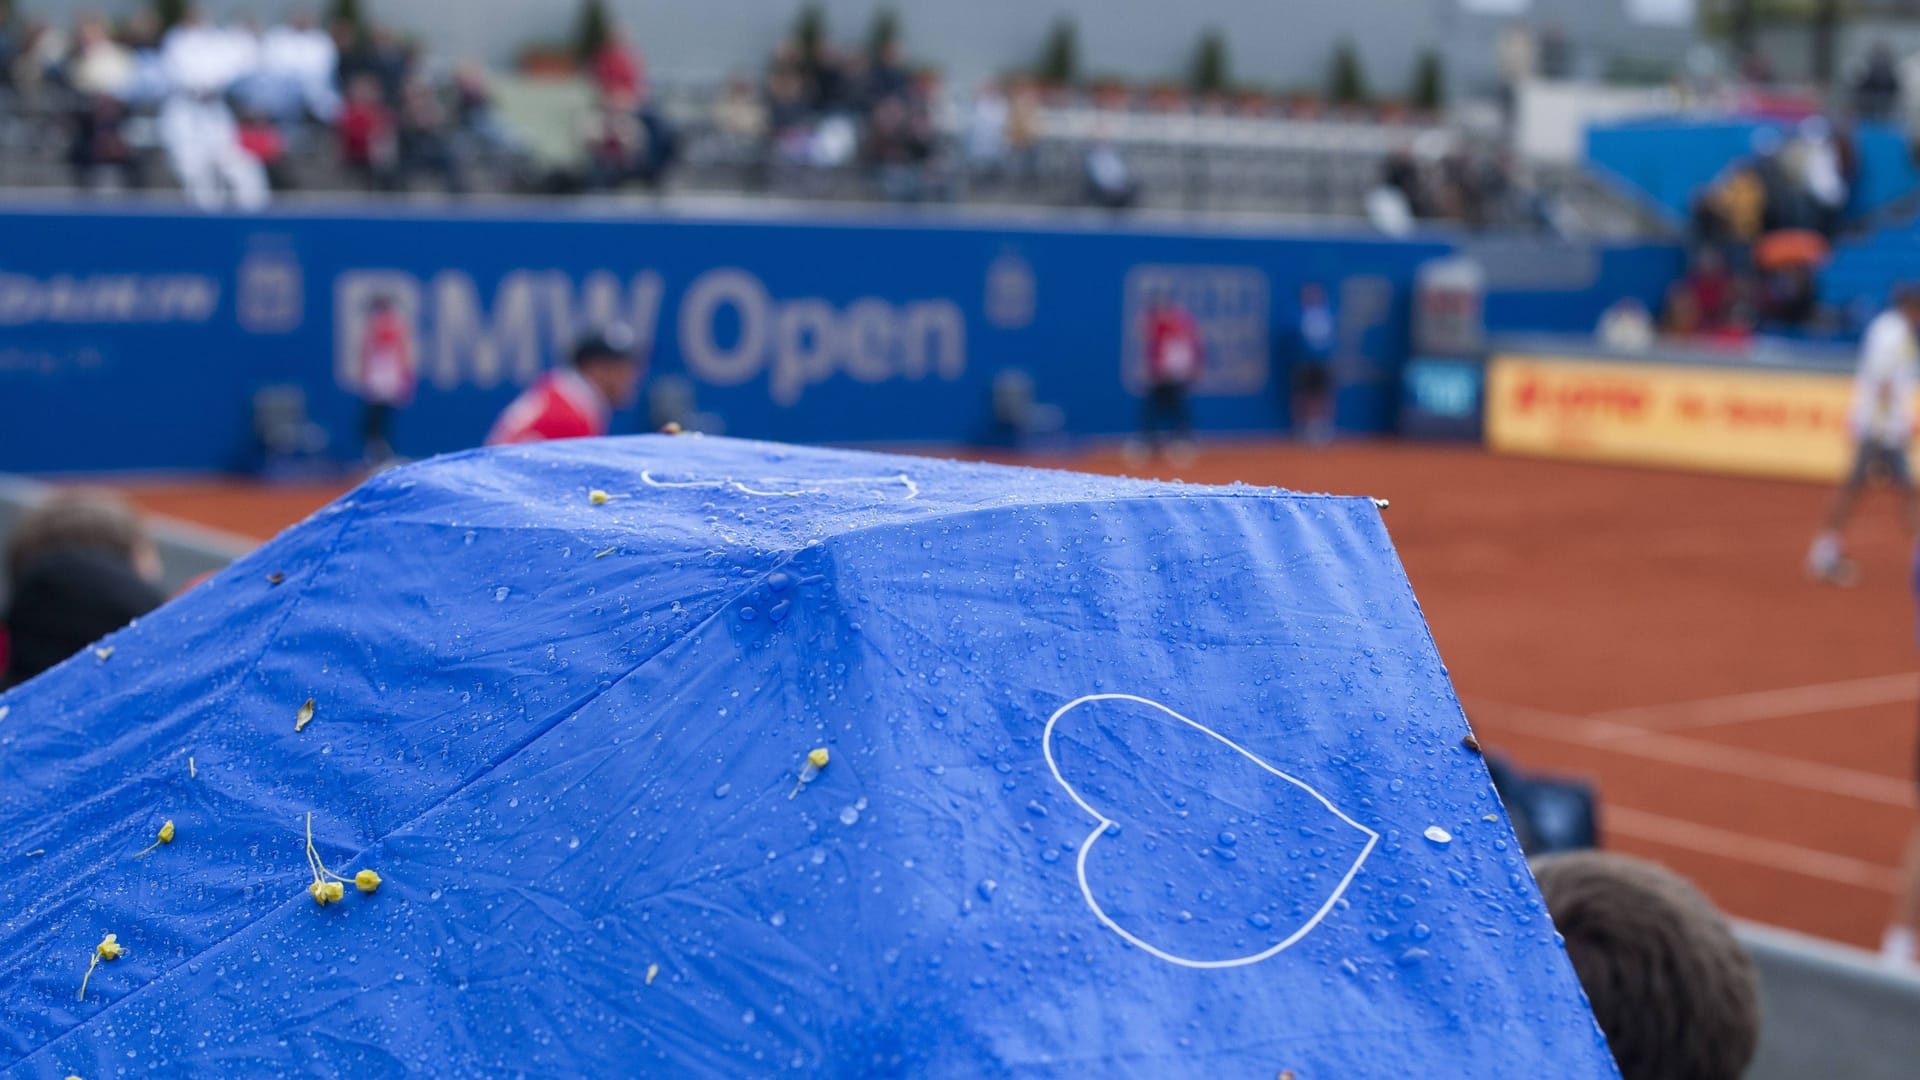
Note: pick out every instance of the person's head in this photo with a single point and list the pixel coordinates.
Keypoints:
(1313, 295)
(471, 78)
(608, 360)
(1906, 300)
(64, 602)
(83, 520)
(143, 29)
(363, 90)
(1671, 987)
(90, 30)
(1708, 262)
(889, 114)
(1682, 311)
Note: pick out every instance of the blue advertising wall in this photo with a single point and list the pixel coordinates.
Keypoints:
(138, 340)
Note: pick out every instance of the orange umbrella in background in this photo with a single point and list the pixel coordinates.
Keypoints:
(1783, 249)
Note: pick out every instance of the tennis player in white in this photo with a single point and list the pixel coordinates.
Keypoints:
(1882, 420)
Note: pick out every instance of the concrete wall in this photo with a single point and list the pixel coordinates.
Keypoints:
(1830, 1011)
(1271, 42)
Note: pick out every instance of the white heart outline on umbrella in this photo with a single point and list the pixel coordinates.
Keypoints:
(781, 485)
(1099, 830)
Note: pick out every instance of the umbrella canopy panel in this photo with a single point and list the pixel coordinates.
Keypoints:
(1144, 778)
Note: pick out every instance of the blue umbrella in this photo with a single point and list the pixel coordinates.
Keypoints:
(683, 757)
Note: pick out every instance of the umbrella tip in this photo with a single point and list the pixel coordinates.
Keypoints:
(1381, 504)
(671, 427)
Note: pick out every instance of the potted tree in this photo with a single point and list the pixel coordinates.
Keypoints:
(1059, 67)
(1347, 81)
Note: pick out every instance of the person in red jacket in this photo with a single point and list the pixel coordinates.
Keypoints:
(388, 375)
(1175, 356)
(578, 400)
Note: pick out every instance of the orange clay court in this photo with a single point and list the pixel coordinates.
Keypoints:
(1648, 630)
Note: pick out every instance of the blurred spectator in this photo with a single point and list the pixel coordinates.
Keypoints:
(787, 113)
(37, 51)
(1175, 358)
(261, 139)
(891, 77)
(298, 61)
(1711, 286)
(368, 144)
(1740, 201)
(82, 566)
(827, 79)
(740, 114)
(1821, 175)
(100, 65)
(1023, 130)
(424, 148)
(744, 127)
(388, 376)
(1675, 993)
(148, 85)
(1313, 348)
(1790, 297)
(578, 400)
(614, 140)
(379, 53)
(1400, 173)
(897, 150)
(1626, 326)
(1109, 183)
(987, 132)
(1876, 90)
(619, 70)
(197, 127)
(1680, 313)
(100, 154)
(474, 111)
(1461, 196)
(858, 91)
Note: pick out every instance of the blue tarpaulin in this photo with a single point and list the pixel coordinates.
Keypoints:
(1123, 779)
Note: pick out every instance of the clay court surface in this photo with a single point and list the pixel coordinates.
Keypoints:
(1648, 630)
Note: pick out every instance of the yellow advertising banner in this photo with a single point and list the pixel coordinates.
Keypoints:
(1754, 422)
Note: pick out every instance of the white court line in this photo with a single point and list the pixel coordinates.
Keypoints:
(1770, 704)
(1695, 753)
(1102, 822)
(1791, 858)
